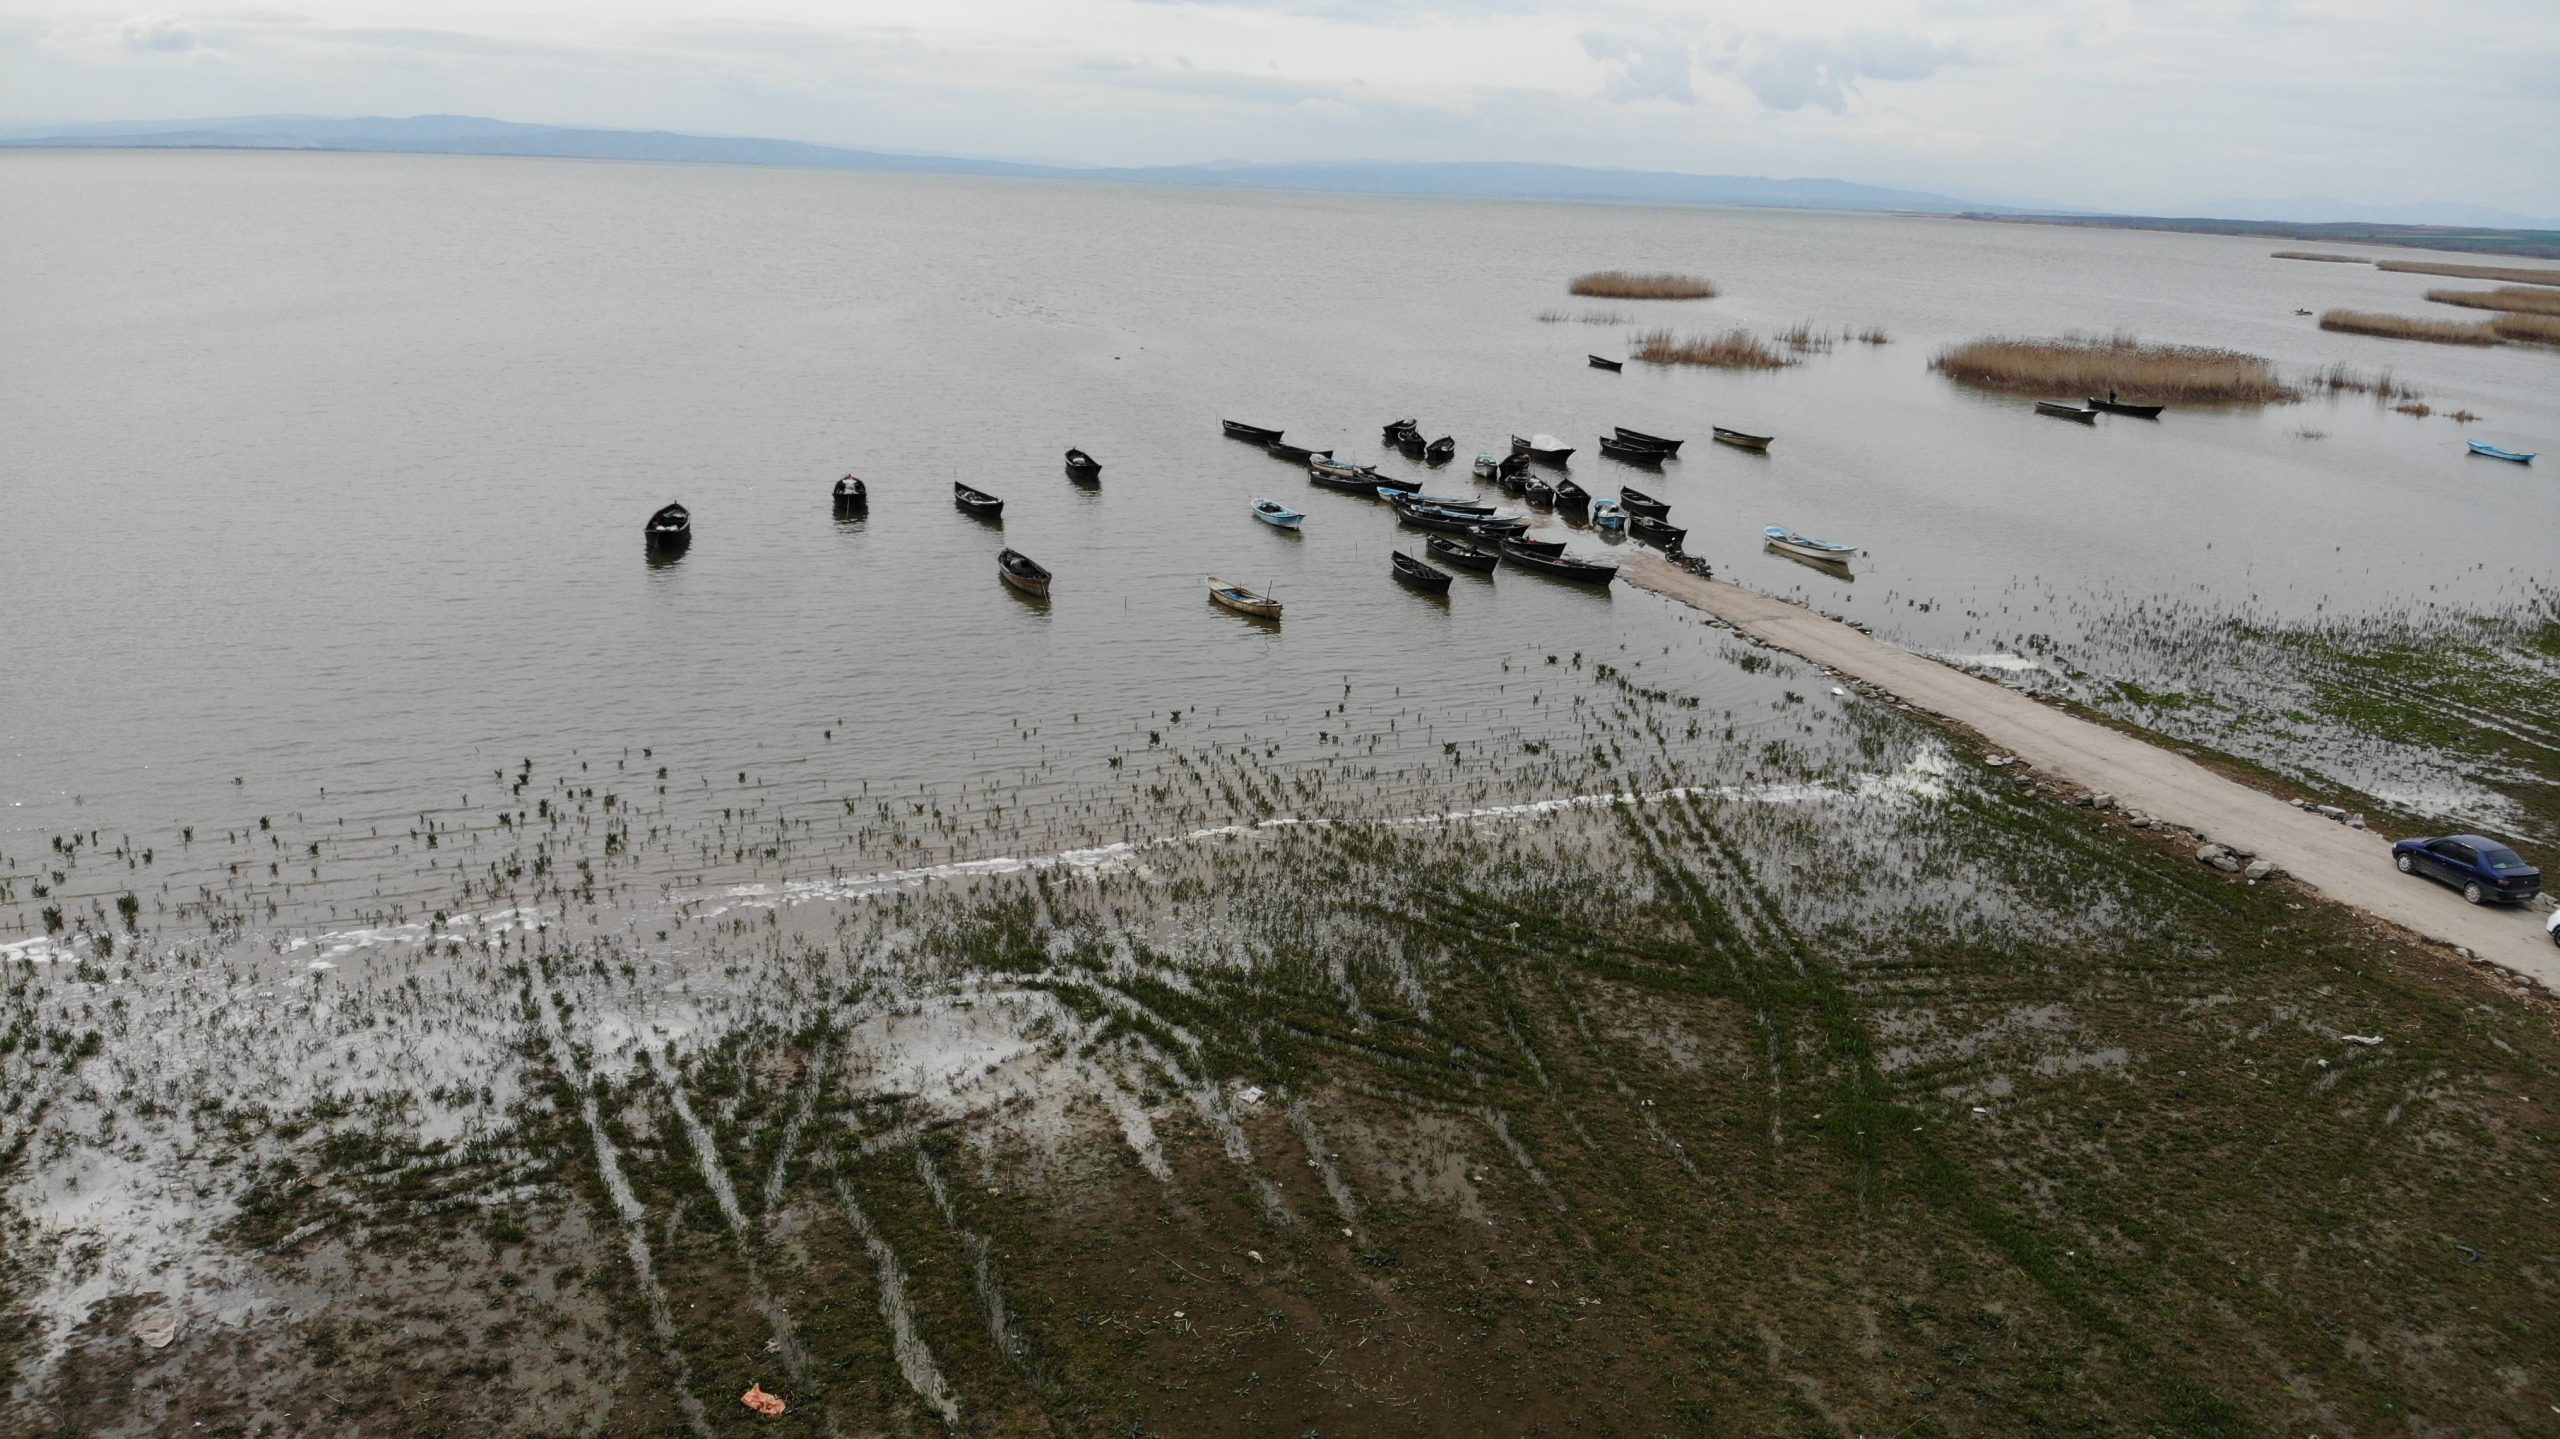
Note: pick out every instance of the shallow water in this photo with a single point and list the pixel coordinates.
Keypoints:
(329, 471)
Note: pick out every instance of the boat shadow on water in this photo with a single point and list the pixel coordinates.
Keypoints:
(1836, 569)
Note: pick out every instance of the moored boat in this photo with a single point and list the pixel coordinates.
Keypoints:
(1022, 572)
(2483, 447)
(1805, 546)
(1639, 437)
(1442, 450)
(1487, 467)
(1339, 475)
(1560, 566)
(2118, 407)
(1272, 512)
(1424, 517)
(1606, 514)
(976, 502)
(1242, 600)
(1570, 496)
(1463, 504)
(1741, 440)
(1653, 531)
(1627, 454)
(1081, 466)
(851, 497)
(1549, 548)
(1598, 363)
(1637, 502)
(1545, 449)
(1251, 434)
(1539, 494)
(1299, 454)
(2066, 412)
(1419, 575)
(1458, 552)
(669, 530)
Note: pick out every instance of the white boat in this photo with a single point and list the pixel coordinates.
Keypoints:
(1788, 541)
(1272, 512)
(1242, 600)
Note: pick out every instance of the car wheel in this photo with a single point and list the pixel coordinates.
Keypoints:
(2471, 893)
(2407, 865)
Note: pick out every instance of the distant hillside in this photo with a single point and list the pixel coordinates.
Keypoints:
(471, 135)
(2533, 244)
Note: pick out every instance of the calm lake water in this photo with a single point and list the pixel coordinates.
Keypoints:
(327, 472)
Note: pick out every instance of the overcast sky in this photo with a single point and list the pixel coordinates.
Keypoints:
(2138, 104)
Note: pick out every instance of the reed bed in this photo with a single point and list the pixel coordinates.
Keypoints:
(2522, 299)
(1804, 339)
(2134, 371)
(1622, 285)
(2346, 379)
(2528, 329)
(2318, 255)
(1588, 317)
(2405, 327)
(2505, 274)
(1732, 350)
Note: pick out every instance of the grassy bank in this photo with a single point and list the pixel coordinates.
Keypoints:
(2508, 274)
(2404, 327)
(1732, 350)
(1621, 285)
(2136, 372)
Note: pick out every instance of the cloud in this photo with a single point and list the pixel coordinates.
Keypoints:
(1656, 69)
(161, 33)
(1791, 72)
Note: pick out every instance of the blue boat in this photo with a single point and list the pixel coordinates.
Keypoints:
(2483, 447)
(1806, 547)
(1272, 512)
(1608, 515)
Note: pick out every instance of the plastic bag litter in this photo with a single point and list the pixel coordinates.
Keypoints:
(768, 1405)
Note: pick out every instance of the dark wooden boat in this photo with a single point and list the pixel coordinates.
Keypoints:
(1543, 448)
(1419, 575)
(1499, 527)
(1022, 572)
(1640, 504)
(1653, 531)
(1083, 467)
(1452, 503)
(1627, 454)
(1548, 548)
(1639, 437)
(1559, 566)
(976, 502)
(2066, 412)
(1349, 480)
(1400, 434)
(669, 531)
(851, 497)
(1540, 494)
(1570, 496)
(1423, 517)
(1250, 434)
(1610, 365)
(1741, 441)
(1393, 428)
(1465, 556)
(1512, 482)
(1442, 450)
(1298, 453)
(1243, 601)
(1392, 482)
(2118, 407)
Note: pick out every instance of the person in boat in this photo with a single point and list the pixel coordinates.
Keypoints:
(2111, 394)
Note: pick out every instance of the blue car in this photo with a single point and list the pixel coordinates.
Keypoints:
(2481, 868)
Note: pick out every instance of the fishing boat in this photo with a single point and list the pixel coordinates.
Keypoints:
(1272, 512)
(1487, 467)
(669, 531)
(1463, 504)
(1570, 496)
(1559, 566)
(1512, 483)
(1545, 449)
(1251, 434)
(1516, 463)
(1639, 437)
(1637, 502)
(2118, 407)
(1547, 548)
(1607, 515)
(1411, 443)
(1419, 575)
(1423, 517)
(1654, 532)
(851, 497)
(2483, 447)
(1458, 552)
(1022, 572)
(1610, 365)
(1788, 541)
(1539, 494)
(1627, 454)
(1081, 466)
(1397, 483)
(1298, 454)
(976, 502)
(2066, 412)
(1243, 601)
(1442, 450)
(1740, 440)
(1350, 479)
(1393, 428)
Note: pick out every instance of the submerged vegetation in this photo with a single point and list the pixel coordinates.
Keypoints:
(2342, 378)
(1621, 285)
(1732, 350)
(1586, 317)
(2138, 373)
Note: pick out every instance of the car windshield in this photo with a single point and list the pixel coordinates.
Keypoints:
(2505, 861)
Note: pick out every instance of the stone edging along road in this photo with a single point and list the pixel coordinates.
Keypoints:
(2350, 866)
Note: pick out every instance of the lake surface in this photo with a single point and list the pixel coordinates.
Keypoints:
(327, 475)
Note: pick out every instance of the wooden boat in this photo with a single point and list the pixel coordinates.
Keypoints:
(1789, 542)
(1442, 450)
(1539, 494)
(1350, 479)
(1560, 566)
(1297, 453)
(1516, 463)
(1393, 428)
(1570, 496)
(2118, 407)
(1637, 502)
(1639, 437)
(1463, 504)
(1243, 601)
(1739, 440)
(1410, 442)
(1081, 466)
(1251, 434)
(851, 497)
(1613, 366)
(1022, 572)
(2066, 412)
(1548, 548)
(1499, 527)
(1458, 552)
(1272, 512)
(1397, 483)
(1487, 467)
(976, 502)
(1512, 483)
(1627, 454)
(669, 530)
(1423, 517)
(1653, 531)
(2483, 447)
(1607, 515)
(1545, 449)
(1419, 575)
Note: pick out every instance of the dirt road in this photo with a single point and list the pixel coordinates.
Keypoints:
(2351, 866)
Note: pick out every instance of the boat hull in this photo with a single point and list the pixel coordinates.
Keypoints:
(2116, 407)
(1613, 366)
(1465, 557)
(1421, 576)
(1242, 600)
(1642, 505)
(1741, 441)
(1250, 434)
(1578, 571)
(1543, 454)
(1018, 570)
(1639, 437)
(1282, 519)
(2066, 412)
(2513, 457)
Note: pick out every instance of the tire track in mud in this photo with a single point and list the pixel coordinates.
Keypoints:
(982, 1277)
(914, 1358)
